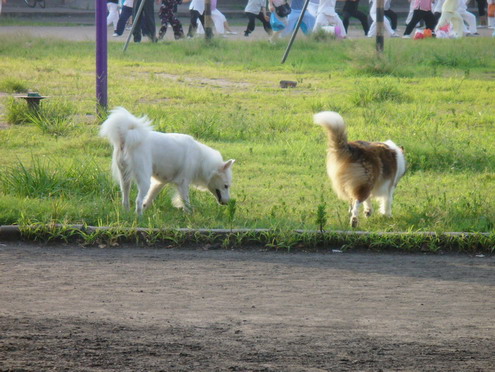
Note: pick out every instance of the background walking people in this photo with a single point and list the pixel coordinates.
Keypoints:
(386, 22)
(197, 12)
(351, 10)
(125, 14)
(168, 14)
(256, 9)
(422, 12)
(308, 21)
(328, 16)
(145, 23)
(113, 13)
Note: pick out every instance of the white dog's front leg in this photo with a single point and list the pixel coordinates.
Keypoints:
(183, 190)
(156, 187)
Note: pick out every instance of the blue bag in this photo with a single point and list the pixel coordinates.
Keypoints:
(276, 24)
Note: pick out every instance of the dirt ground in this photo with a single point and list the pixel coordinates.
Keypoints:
(68, 308)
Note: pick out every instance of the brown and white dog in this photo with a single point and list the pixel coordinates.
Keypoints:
(361, 170)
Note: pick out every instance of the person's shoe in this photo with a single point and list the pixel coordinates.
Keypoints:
(115, 34)
(246, 33)
(406, 36)
(231, 33)
(395, 34)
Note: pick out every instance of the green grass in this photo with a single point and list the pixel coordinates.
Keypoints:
(434, 97)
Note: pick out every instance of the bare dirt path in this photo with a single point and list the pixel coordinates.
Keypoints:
(144, 309)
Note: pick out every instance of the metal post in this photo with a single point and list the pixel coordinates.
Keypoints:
(379, 25)
(134, 23)
(208, 21)
(101, 55)
(294, 33)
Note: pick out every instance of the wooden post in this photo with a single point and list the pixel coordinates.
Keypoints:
(208, 22)
(379, 25)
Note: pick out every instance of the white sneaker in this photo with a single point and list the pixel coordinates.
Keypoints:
(115, 34)
(231, 33)
(406, 36)
(395, 34)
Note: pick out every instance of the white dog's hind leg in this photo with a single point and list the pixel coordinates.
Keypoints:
(120, 170)
(143, 188)
(354, 212)
(125, 187)
(156, 187)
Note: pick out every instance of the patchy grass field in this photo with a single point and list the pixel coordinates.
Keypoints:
(434, 97)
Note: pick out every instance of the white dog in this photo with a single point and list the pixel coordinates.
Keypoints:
(154, 159)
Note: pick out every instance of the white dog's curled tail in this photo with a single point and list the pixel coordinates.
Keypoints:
(334, 123)
(124, 130)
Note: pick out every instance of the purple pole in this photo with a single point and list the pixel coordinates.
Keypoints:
(101, 55)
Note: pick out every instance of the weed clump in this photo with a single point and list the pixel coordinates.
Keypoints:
(10, 85)
(54, 119)
(377, 92)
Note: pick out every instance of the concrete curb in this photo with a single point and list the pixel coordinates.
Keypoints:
(15, 230)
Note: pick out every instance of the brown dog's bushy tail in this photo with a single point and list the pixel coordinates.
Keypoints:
(337, 133)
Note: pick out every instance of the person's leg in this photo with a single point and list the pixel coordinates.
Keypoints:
(482, 5)
(193, 25)
(372, 30)
(430, 20)
(177, 27)
(309, 21)
(411, 12)
(164, 14)
(363, 18)
(392, 16)
(345, 19)
(251, 25)
(219, 21)
(470, 20)
(321, 21)
(138, 21)
(124, 17)
(148, 20)
(113, 15)
(338, 23)
(414, 21)
(266, 24)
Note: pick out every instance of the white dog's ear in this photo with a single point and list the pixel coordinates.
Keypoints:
(227, 164)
